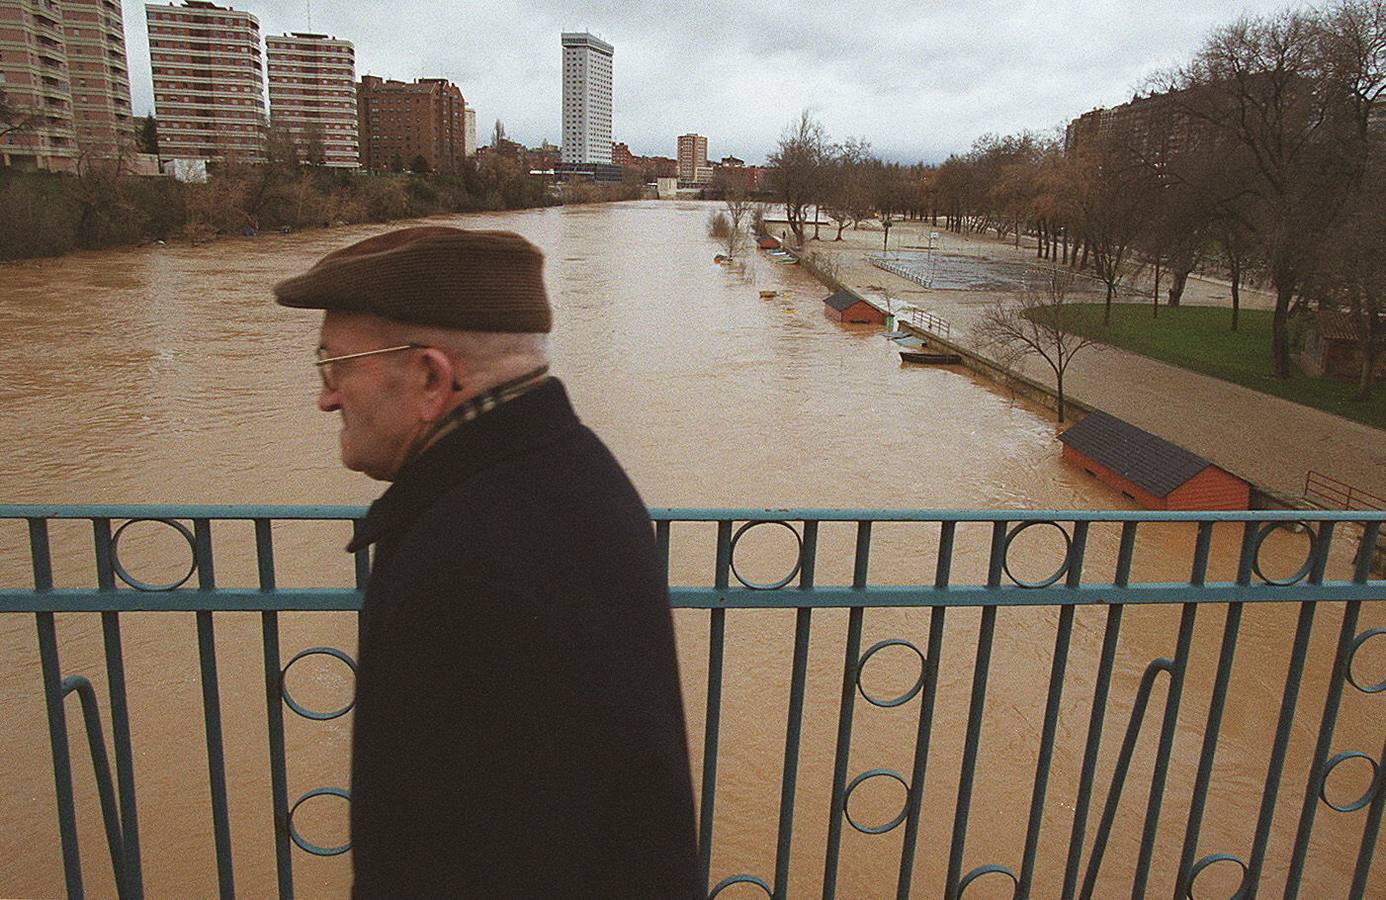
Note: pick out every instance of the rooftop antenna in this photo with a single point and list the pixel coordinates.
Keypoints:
(309, 4)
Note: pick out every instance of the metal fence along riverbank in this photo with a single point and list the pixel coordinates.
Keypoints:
(1126, 790)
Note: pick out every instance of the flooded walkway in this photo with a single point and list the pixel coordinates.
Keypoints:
(1267, 440)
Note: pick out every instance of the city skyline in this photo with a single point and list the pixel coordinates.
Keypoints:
(917, 83)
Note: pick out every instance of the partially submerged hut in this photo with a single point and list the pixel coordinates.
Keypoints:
(846, 307)
(1150, 470)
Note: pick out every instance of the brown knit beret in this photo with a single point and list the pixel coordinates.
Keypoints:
(431, 275)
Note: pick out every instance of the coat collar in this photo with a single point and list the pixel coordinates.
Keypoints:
(535, 419)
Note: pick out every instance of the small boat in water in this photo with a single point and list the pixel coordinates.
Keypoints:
(947, 359)
(766, 295)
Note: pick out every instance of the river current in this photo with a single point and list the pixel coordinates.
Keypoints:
(166, 374)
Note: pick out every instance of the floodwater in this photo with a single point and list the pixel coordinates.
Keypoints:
(165, 374)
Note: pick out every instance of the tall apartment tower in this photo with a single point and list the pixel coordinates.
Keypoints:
(586, 99)
(692, 156)
(312, 88)
(400, 122)
(208, 81)
(469, 132)
(63, 67)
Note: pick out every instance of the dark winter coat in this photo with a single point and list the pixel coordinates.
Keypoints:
(519, 730)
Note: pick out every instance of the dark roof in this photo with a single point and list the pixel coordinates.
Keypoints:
(842, 300)
(1152, 463)
(1338, 325)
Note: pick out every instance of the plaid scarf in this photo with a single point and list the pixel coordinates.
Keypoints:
(469, 410)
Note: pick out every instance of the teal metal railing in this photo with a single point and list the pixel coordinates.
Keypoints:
(1075, 583)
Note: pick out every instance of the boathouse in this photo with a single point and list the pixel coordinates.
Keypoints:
(1333, 347)
(1149, 469)
(846, 307)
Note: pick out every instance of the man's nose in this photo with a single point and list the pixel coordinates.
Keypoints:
(327, 400)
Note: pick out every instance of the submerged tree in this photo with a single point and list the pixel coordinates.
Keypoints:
(1037, 322)
(797, 170)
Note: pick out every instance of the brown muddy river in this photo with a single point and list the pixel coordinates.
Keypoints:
(166, 375)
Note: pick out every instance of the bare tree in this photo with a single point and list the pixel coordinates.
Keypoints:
(848, 187)
(797, 169)
(730, 182)
(1037, 322)
(15, 119)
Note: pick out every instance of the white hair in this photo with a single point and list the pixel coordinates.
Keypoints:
(487, 357)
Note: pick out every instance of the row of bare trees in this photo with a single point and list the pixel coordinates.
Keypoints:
(1264, 154)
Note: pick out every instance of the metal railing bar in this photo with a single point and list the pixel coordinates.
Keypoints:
(846, 706)
(248, 599)
(120, 714)
(1166, 747)
(1123, 764)
(1366, 548)
(972, 741)
(1293, 675)
(803, 621)
(274, 713)
(211, 712)
(944, 567)
(793, 726)
(1246, 556)
(41, 559)
(1323, 541)
(662, 542)
(706, 514)
(101, 765)
(717, 630)
(62, 760)
(996, 558)
(1202, 545)
(1231, 628)
(1125, 554)
(915, 798)
(1062, 638)
(851, 661)
(1076, 552)
(1111, 633)
(1326, 725)
(1370, 830)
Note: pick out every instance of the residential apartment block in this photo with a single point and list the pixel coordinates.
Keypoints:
(469, 132)
(692, 156)
(586, 99)
(63, 67)
(399, 122)
(312, 89)
(208, 81)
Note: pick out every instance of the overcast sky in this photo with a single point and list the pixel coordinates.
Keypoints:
(918, 79)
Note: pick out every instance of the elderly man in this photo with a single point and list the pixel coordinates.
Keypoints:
(519, 729)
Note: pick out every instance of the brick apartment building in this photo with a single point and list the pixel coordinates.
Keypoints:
(63, 65)
(399, 121)
(692, 156)
(208, 84)
(312, 88)
(1151, 128)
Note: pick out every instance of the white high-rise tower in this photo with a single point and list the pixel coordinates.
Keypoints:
(586, 99)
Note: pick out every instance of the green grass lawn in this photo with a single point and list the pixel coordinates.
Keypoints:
(1199, 338)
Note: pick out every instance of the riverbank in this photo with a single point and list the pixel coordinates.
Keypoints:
(49, 215)
(1269, 441)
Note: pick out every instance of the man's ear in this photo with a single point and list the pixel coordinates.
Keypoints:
(440, 382)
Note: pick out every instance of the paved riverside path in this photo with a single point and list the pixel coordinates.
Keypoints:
(1267, 440)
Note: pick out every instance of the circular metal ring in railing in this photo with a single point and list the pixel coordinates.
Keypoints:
(1352, 653)
(145, 586)
(306, 845)
(1212, 859)
(867, 776)
(740, 879)
(1332, 764)
(798, 555)
(1059, 573)
(1303, 570)
(907, 696)
(304, 711)
(989, 869)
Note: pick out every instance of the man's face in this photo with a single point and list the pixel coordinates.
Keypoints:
(379, 424)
